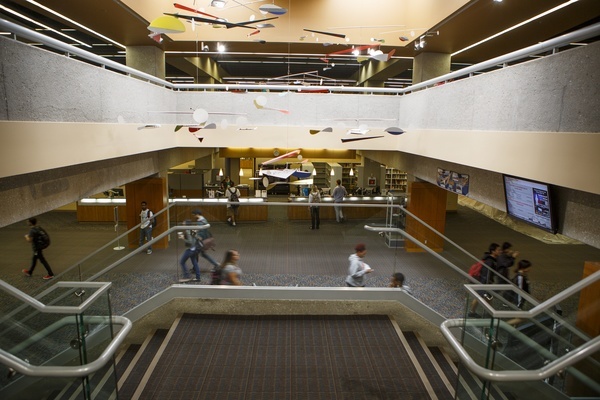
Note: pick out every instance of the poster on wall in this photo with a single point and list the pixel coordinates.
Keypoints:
(443, 177)
(453, 181)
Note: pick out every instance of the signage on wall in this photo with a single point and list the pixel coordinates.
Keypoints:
(453, 181)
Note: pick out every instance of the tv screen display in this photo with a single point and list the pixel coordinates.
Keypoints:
(530, 202)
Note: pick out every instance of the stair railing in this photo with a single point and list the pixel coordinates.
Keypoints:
(25, 368)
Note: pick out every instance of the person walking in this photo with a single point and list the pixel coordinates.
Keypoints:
(202, 235)
(314, 198)
(190, 253)
(486, 275)
(521, 279)
(146, 217)
(338, 197)
(39, 240)
(357, 268)
(505, 261)
(233, 202)
(230, 272)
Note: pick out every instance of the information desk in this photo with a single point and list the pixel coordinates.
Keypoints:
(100, 210)
(251, 209)
(244, 191)
(328, 212)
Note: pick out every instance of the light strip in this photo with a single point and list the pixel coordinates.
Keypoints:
(568, 3)
(35, 3)
(43, 26)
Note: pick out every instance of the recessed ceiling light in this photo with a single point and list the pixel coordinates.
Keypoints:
(218, 3)
(35, 3)
(550, 11)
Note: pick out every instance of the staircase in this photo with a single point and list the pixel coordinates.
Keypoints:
(284, 357)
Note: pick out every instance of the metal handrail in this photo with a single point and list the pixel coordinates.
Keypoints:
(25, 368)
(552, 368)
(38, 305)
(581, 34)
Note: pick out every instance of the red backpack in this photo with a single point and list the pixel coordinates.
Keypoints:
(475, 270)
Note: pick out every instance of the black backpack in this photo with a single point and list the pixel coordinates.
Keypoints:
(41, 239)
(233, 197)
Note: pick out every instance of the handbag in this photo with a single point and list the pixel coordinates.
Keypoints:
(209, 244)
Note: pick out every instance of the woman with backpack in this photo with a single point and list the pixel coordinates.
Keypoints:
(314, 198)
(233, 202)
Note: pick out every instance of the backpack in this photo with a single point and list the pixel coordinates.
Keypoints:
(41, 239)
(475, 270)
(215, 276)
(152, 219)
(233, 197)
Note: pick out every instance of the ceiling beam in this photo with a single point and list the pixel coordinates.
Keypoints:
(373, 70)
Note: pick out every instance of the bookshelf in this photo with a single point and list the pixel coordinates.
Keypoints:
(395, 180)
(349, 182)
(323, 177)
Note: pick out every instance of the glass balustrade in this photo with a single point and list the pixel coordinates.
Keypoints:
(503, 337)
(74, 328)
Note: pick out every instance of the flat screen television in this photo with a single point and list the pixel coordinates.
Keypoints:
(530, 201)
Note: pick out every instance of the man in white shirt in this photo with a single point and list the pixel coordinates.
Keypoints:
(146, 216)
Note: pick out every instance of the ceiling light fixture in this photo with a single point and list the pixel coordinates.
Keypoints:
(218, 3)
(332, 173)
(220, 48)
(44, 26)
(314, 173)
(35, 3)
(220, 171)
(241, 172)
(550, 11)
(351, 173)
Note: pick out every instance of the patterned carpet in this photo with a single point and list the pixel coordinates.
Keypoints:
(285, 358)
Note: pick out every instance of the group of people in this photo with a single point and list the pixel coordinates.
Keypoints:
(198, 242)
(496, 265)
(314, 198)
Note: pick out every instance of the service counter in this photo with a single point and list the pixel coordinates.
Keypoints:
(214, 191)
(101, 210)
(216, 209)
(327, 212)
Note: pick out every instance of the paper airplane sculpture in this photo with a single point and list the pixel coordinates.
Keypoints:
(286, 173)
(394, 130)
(219, 21)
(281, 157)
(272, 9)
(148, 126)
(360, 138)
(315, 131)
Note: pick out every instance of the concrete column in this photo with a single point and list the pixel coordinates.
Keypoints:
(430, 65)
(148, 59)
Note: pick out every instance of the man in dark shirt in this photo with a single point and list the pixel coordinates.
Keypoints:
(32, 237)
